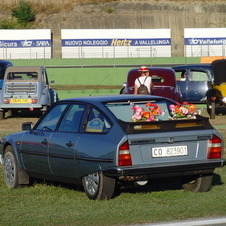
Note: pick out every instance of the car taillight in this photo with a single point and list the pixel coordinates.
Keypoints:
(34, 101)
(124, 158)
(214, 148)
(6, 101)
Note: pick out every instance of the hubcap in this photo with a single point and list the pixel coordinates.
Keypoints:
(9, 170)
(92, 183)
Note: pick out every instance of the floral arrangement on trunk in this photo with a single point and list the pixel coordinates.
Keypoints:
(150, 113)
(183, 111)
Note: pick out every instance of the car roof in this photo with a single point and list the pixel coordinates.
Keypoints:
(24, 69)
(112, 98)
(185, 66)
(168, 75)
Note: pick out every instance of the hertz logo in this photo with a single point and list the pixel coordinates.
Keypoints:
(121, 42)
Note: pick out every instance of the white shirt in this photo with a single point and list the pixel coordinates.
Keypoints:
(147, 82)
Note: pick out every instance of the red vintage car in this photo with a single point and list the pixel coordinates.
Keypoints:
(164, 83)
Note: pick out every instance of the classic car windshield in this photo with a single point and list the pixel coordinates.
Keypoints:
(127, 111)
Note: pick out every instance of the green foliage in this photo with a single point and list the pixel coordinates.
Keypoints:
(23, 13)
(7, 24)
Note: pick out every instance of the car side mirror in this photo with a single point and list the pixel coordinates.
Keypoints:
(27, 126)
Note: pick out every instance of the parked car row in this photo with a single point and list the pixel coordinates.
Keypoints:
(194, 83)
(204, 83)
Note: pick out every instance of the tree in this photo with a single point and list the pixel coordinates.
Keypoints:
(23, 13)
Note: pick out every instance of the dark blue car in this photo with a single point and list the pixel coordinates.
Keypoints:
(194, 81)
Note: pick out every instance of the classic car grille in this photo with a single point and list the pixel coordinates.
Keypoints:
(21, 88)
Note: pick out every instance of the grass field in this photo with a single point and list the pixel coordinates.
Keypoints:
(47, 203)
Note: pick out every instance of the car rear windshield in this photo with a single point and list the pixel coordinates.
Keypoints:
(140, 110)
(22, 76)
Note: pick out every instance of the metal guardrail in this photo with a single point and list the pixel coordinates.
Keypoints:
(112, 66)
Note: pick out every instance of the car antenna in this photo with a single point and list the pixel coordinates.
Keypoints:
(99, 84)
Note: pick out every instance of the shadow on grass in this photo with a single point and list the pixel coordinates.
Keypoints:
(163, 184)
(156, 185)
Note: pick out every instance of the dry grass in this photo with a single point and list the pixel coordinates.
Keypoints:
(55, 6)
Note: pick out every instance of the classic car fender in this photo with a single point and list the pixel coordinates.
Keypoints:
(211, 94)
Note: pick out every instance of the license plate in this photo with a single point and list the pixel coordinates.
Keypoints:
(20, 101)
(170, 151)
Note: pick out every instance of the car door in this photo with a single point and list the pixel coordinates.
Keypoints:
(35, 143)
(197, 85)
(193, 84)
(63, 143)
(95, 145)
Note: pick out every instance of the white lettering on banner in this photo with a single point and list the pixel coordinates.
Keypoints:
(8, 44)
(42, 43)
(205, 41)
(26, 43)
(73, 43)
(95, 42)
(154, 42)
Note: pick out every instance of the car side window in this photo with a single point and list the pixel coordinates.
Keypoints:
(199, 76)
(72, 119)
(49, 122)
(97, 122)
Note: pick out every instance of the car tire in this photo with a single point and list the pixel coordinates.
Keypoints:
(2, 115)
(98, 187)
(201, 183)
(212, 110)
(11, 169)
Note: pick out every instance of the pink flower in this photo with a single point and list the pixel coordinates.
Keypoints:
(172, 107)
(137, 116)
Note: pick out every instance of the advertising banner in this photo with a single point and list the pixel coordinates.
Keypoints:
(201, 42)
(108, 43)
(25, 44)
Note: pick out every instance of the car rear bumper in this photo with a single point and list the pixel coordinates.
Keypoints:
(165, 170)
(19, 106)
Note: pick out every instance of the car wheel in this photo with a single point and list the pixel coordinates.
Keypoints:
(198, 183)
(212, 110)
(14, 112)
(98, 187)
(2, 115)
(10, 167)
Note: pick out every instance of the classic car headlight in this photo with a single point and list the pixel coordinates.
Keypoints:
(224, 100)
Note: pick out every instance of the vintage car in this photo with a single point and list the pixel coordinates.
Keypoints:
(103, 142)
(194, 81)
(204, 83)
(164, 83)
(26, 88)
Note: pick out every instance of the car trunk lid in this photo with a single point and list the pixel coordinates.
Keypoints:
(164, 142)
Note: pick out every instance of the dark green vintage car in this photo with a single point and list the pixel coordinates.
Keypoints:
(104, 142)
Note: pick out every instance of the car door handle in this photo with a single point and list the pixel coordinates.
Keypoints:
(44, 142)
(69, 144)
